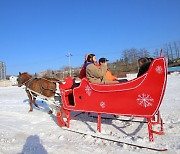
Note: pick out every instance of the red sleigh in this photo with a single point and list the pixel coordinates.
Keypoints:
(140, 97)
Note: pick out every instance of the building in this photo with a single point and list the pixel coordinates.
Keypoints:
(2, 71)
(13, 79)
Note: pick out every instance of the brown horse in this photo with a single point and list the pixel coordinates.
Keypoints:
(37, 86)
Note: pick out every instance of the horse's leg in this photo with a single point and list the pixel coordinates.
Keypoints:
(34, 102)
(30, 101)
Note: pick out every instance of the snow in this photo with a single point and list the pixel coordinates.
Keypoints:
(37, 132)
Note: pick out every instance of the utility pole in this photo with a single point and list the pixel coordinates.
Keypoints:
(69, 61)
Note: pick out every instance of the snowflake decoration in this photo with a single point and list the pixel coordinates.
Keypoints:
(103, 104)
(88, 90)
(159, 69)
(145, 100)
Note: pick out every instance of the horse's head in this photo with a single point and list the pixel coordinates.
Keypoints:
(23, 78)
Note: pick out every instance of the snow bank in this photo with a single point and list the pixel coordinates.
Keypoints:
(5, 83)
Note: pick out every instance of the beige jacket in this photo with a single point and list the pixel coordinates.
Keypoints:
(96, 75)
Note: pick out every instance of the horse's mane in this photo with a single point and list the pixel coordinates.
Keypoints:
(26, 74)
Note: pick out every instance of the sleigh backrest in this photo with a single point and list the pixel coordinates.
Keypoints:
(68, 83)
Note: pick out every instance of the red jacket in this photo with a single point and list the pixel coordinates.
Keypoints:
(82, 73)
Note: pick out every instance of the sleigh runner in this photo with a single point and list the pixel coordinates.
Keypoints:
(140, 97)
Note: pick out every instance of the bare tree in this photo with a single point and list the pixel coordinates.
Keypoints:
(133, 55)
(130, 55)
(156, 53)
(171, 51)
(143, 53)
(176, 49)
(166, 51)
(125, 56)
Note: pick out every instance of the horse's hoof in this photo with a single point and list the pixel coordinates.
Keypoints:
(50, 112)
(30, 110)
(37, 106)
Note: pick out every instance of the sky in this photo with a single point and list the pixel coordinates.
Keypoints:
(36, 35)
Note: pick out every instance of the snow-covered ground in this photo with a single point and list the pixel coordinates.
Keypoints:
(38, 133)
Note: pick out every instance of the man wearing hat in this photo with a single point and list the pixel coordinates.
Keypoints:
(108, 74)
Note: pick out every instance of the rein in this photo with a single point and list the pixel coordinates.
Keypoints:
(33, 93)
(24, 84)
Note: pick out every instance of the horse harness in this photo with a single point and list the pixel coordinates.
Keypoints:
(33, 93)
